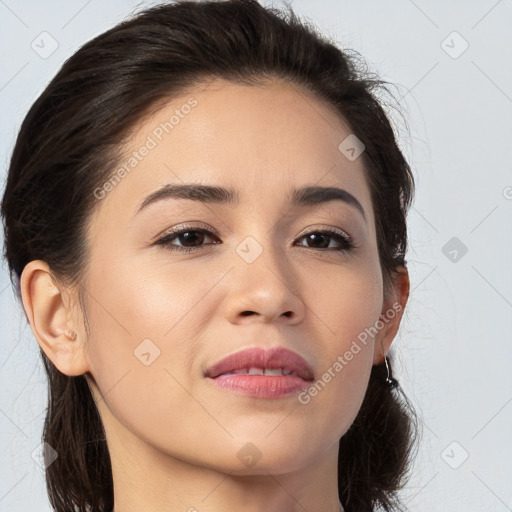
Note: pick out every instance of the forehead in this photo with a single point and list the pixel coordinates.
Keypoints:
(262, 140)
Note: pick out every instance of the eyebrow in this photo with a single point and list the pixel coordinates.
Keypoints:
(305, 196)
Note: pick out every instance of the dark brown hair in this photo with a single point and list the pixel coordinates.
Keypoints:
(69, 144)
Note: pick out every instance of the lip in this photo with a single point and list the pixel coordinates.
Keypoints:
(262, 386)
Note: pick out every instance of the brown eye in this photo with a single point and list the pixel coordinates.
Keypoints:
(194, 238)
(189, 239)
(322, 240)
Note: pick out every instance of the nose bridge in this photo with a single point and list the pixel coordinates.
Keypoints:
(264, 281)
(262, 244)
(262, 253)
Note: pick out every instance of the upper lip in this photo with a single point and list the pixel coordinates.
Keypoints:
(259, 357)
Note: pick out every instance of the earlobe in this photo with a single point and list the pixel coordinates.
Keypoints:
(48, 311)
(391, 315)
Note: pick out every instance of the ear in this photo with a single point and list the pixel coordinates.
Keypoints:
(391, 314)
(48, 310)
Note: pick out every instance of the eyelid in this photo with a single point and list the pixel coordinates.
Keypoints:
(192, 226)
(314, 229)
(200, 226)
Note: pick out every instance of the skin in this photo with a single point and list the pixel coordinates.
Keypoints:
(174, 438)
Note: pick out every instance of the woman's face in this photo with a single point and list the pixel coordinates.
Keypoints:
(160, 317)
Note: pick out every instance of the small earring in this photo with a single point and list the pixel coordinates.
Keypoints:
(390, 381)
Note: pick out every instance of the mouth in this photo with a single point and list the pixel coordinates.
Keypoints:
(260, 372)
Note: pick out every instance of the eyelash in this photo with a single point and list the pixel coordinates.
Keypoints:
(347, 244)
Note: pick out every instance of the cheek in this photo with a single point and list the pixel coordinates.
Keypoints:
(347, 304)
(139, 300)
(140, 350)
(346, 301)
(144, 321)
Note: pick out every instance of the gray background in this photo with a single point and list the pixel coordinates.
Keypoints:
(454, 349)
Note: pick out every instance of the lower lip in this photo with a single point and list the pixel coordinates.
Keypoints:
(262, 386)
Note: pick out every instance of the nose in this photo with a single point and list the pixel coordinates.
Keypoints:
(264, 290)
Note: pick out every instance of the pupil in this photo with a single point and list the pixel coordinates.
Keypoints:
(315, 237)
(190, 238)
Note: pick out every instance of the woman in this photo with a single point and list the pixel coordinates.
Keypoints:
(205, 220)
